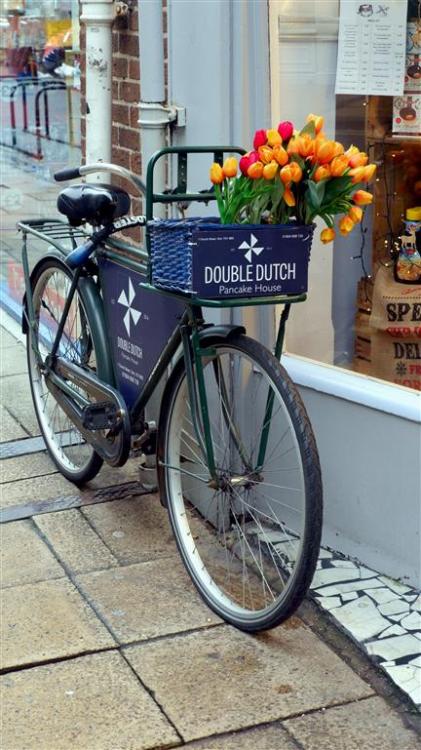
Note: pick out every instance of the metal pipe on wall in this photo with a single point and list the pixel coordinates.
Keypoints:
(98, 17)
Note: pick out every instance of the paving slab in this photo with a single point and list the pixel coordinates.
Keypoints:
(134, 530)
(25, 558)
(7, 340)
(13, 361)
(55, 485)
(16, 396)
(366, 725)
(220, 680)
(10, 429)
(273, 737)
(26, 467)
(74, 541)
(89, 703)
(48, 620)
(146, 600)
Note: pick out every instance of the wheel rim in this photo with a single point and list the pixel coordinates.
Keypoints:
(242, 542)
(64, 441)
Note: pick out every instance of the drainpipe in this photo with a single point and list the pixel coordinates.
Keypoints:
(98, 17)
(154, 115)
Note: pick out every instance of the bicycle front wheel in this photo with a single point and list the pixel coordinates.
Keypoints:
(250, 539)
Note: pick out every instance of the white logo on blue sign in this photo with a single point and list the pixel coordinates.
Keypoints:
(126, 301)
(251, 247)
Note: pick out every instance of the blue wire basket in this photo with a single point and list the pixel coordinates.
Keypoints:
(214, 261)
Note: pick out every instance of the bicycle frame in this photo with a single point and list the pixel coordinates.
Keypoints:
(188, 331)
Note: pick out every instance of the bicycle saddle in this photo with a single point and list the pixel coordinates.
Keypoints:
(98, 204)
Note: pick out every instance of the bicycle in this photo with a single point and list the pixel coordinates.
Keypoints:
(237, 463)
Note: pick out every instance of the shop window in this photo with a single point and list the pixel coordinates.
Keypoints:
(364, 308)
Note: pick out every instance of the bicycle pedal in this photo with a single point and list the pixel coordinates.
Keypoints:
(103, 415)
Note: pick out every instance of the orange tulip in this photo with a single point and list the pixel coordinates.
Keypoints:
(289, 197)
(318, 121)
(362, 198)
(351, 151)
(296, 171)
(355, 213)
(369, 172)
(357, 174)
(346, 225)
(286, 174)
(255, 171)
(265, 154)
(280, 155)
(328, 235)
(305, 145)
(357, 159)
(325, 151)
(273, 137)
(216, 174)
(230, 167)
(321, 173)
(270, 170)
(292, 147)
(339, 165)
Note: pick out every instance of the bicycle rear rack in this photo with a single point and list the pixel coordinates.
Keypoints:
(53, 231)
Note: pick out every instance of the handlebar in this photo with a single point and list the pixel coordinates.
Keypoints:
(72, 173)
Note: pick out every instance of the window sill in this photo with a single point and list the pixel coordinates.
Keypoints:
(352, 386)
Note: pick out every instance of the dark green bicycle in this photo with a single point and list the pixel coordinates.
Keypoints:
(237, 462)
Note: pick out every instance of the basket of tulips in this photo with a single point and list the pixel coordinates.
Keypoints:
(268, 203)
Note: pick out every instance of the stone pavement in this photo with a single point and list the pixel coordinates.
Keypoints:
(105, 643)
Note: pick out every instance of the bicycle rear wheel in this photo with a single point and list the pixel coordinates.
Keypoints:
(76, 460)
(250, 543)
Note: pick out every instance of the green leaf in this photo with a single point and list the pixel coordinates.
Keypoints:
(336, 187)
(309, 129)
(316, 192)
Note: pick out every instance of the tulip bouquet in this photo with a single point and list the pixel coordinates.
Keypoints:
(293, 175)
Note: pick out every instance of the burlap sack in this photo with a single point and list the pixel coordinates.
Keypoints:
(396, 331)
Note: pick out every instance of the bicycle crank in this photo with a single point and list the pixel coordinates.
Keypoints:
(97, 410)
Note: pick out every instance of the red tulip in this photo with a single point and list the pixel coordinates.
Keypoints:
(285, 130)
(260, 139)
(247, 160)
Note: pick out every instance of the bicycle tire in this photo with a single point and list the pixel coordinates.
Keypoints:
(197, 531)
(66, 443)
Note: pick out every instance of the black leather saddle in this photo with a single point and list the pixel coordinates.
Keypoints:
(95, 203)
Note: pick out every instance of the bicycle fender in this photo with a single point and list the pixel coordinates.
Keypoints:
(219, 333)
(93, 303)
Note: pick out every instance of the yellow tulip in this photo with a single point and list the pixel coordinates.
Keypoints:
(273, 138)
(327, 235)
(362, 198)
(339, 149)
(230, 167)
(369, 172)
(346, 225)
(280, 155)
(339, 165)
(318, 121)
(216, 174)
(255, 171)
(355, 213)
(270, 170)
(289, 197)
(292, 147)
(265, 154)
(357, 174)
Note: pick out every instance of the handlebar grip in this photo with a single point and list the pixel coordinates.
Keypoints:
(67, 174)
(80, 254)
